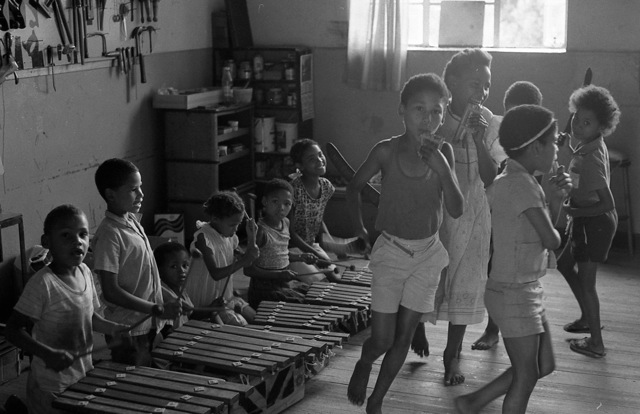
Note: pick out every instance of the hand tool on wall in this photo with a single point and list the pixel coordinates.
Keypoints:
(104, 41)
(4, 25)
(135, 34)
(42, 8)
(100, 5)
(147, 9)
(76, 29)
(89, 15)
(59, 50)
(121, 17)
(83, 28)
(63, 28)
(141, 11)
(51, 64)
(16, 19)
(155, 10)
(9, 64)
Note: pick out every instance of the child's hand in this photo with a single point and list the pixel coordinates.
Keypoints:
(288, 274)
(171, 310)
(478, 125)
(561, 181)
(218, 302)
(252, 229)
(434, 158)
(58, 360)
(196, 253)
(308, 258)
(186, 308)
(252, 252)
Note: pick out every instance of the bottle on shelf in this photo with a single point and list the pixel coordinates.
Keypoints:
(258, 66)
(227, 85)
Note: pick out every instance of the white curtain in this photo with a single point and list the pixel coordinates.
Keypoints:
(377, 51)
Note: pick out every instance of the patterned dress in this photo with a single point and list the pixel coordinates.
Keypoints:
(309, 211)
(460, 295)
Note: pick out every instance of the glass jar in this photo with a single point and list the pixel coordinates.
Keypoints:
(274, 96)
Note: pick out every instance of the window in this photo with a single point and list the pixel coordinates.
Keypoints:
(532, 24)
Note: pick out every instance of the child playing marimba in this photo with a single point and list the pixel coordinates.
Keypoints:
(216, 243)
(55, 316)
(270, 273)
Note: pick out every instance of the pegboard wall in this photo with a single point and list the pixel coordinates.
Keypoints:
(168, 25)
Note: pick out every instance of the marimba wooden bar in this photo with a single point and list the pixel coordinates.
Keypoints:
(118, 389)
(305, 316)
(273, 363)
(359, 277)
(344, 296)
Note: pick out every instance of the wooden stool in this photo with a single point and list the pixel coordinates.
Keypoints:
(619, 160)
(8, 220)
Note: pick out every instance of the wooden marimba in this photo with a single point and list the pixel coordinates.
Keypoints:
(273, 363)
(120, 389)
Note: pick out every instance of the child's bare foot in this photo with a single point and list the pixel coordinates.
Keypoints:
(357, 390)
(487, 341)
(452, 373)
(419, 343)
(463, 406)
(374, 407)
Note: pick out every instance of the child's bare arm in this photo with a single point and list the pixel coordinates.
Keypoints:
(17, 332)
(220, 273)
(604, 204)
(115, 294)
(105, 326)
(377, 158)
(487, 167)
(453, 198)
(539, 218)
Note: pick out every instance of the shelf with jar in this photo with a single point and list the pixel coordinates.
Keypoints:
(281, 79)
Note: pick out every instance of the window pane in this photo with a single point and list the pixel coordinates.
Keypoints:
(523, 23)
(416, 24)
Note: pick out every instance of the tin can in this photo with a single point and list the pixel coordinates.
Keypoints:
(288, 71)
(244, 70)
(292, 99)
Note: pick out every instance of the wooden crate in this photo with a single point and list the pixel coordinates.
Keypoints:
(9, 361)
(272, 363)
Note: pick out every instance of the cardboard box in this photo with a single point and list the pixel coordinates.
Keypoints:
(9, 361)
(189, 98)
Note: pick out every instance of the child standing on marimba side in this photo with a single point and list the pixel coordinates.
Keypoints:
(407, 259)
(123, 259)
(210, 280)
(54, 318)
(270, 273)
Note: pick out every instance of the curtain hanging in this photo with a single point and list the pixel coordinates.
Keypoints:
(377, 48)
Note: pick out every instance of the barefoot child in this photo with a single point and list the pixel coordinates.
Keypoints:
(514, 293)
(311, 193)
(271, 274)
(590, 205)
(210, 281)
(519, 93)
(55, 314)
(407, 258)
(459, 296)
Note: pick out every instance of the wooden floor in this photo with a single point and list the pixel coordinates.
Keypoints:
(579, 384)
